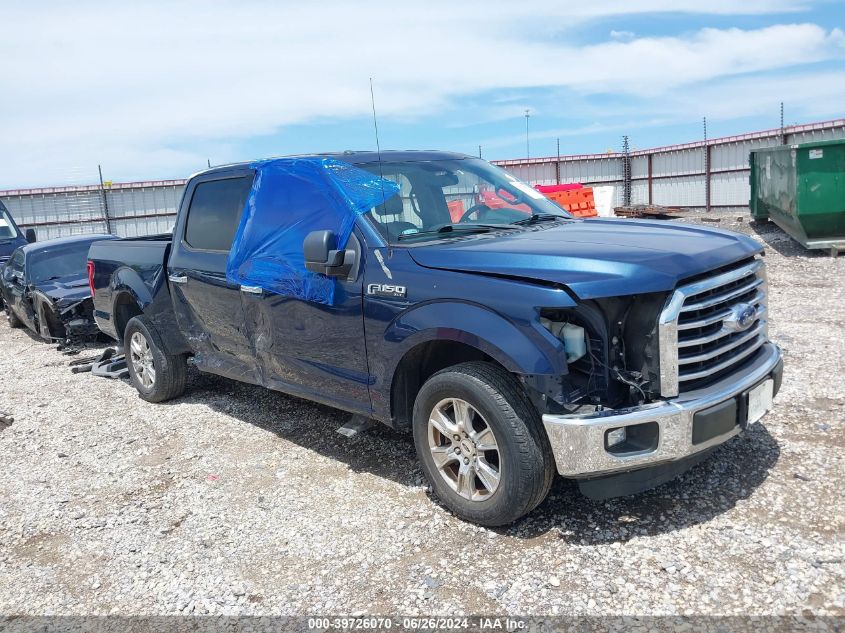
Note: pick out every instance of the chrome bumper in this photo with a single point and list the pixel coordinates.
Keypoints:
(578, 441)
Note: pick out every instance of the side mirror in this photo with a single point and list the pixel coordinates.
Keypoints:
(30, 236)
(323, 257)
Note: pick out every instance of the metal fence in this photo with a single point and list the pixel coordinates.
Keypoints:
(129, 209)
(702, 175)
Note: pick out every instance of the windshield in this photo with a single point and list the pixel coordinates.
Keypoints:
(55, 263)
(7, 227)
(443, 198)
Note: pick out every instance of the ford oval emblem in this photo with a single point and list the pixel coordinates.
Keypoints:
(741, 318)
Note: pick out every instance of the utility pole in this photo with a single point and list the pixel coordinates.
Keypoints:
(527, 146)
(782, 134)
(557, 162)
(626, 172)
(479, 151)
(707, 168)
(105, 200)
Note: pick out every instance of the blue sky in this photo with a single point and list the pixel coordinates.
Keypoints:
(153, 90)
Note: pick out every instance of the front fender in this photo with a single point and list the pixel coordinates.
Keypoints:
(519, 348)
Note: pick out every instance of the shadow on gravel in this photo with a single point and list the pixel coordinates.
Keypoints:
(731, 474)
(776, 238)
(379, 450)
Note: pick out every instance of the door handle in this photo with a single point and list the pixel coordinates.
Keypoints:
(178, 279)
(253, 290)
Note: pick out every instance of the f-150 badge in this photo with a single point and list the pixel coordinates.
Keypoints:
(386, 290)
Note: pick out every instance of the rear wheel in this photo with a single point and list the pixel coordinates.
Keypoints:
(481, 445)
(156, 375)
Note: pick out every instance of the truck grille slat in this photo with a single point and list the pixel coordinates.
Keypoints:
(720, 333)
(723, 346)
(701, 337)
(758, 299)
(733, 360)
(721, 298)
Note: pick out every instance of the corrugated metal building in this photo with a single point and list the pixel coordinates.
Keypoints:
(128, 209)
(701, 175)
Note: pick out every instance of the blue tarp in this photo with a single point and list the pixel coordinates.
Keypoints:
(291, 197)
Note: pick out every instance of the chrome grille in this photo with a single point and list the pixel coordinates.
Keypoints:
(707, 326)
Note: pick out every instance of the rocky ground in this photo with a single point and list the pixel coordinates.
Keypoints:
(237, 500)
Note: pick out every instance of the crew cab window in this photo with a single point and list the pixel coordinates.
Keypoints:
(215, 213)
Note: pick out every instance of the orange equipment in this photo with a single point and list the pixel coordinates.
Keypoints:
(577, 199)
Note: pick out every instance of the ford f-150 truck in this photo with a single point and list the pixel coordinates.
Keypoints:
(513, 342)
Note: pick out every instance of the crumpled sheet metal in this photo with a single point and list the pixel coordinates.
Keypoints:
(291, 197)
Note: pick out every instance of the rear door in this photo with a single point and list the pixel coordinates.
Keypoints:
(208, 308)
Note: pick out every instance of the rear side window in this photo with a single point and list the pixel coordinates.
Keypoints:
(215, 212)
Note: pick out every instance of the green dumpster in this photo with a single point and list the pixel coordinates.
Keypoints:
(801, 188)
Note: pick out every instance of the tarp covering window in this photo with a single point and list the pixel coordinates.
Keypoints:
(291, 197)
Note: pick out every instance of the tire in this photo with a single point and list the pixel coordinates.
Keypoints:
(523, 456)
(156, 375)
(14, 321)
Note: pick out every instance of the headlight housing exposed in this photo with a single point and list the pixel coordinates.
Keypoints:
(573, 337)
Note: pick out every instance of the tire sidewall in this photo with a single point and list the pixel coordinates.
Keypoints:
(454, 385)
(159, 361)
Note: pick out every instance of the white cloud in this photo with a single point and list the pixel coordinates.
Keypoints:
(125, 84)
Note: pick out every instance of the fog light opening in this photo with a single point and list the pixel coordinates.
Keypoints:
(615, 436)
(632, 439)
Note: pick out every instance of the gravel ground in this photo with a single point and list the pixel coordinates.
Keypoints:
(237, 500)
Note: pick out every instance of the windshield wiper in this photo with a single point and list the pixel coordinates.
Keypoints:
(539, 217)
(452, 228)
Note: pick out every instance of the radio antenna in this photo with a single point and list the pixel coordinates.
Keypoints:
(375, 126)
(378, 146)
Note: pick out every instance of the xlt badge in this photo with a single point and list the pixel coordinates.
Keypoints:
(386, 290)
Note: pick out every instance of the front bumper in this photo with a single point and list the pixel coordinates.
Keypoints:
(578, 441)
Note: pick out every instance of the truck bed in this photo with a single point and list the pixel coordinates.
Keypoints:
(137, 268)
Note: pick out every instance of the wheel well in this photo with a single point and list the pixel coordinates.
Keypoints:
(124, 309)
(418, 365)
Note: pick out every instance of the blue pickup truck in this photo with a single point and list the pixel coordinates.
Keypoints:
(10, 238)
(512, 340)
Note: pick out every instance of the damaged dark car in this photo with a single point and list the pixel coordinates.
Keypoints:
(45, 288)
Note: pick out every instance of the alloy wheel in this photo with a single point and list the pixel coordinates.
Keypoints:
(464, 449)
(141, 357)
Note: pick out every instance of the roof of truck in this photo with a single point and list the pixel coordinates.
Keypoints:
(356, 157)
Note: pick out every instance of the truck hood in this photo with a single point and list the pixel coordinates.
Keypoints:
(65, 291)
(594, 258)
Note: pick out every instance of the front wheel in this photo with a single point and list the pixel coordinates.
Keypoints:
(481, 445)
(156, 375)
